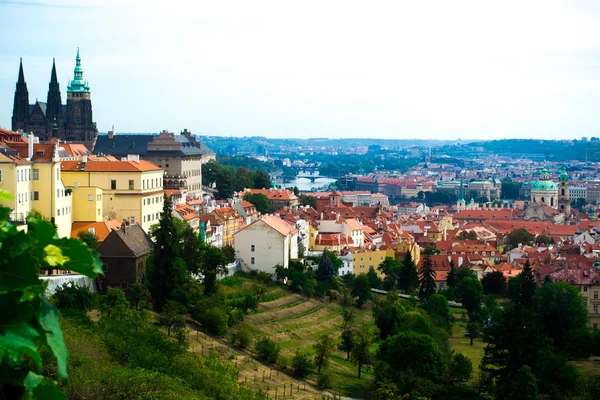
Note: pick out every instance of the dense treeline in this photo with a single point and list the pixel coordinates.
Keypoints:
(229, 179)
(556, 150)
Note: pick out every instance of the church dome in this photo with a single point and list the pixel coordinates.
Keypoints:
(543, 185)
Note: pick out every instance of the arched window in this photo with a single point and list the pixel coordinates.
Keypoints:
(543, 200)
(562, 192)
(552, 201)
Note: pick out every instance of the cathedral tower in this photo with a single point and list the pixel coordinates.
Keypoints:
(20, 115)
(564, 198)
(54, 113)
(79, 107)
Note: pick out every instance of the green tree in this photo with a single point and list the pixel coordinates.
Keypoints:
(519, 236)
(361, 353)
(267, 349)
(390, 268)
(427, 286)
(167, 271)
(494, 283)
(413, 353)
(140, 294)
(307, 200)
(439, 311)
(28, 322)
(302, 364)
(213, 263)
(527, 285)
(374, 279)
(361, 289)
(347, 343)
(90, 238)
(475, 329)
(172, 317)
(73, 296)
(460, 368)
(328, 266)
(260, 201)
(408, 279)
(469, 292)
(451, 279)
(560, 309)
(229, 252)
(244, 179)
(190, 244)
(261, 180)
(309, 287)
(522, 387)
(323, 350)
(467, 235)
(388, 314)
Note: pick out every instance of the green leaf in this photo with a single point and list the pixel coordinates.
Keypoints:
(81, 259)
(18, 266)
(6, 196)
(48, 319)
(42, 388)
(18, 340)
(54, 256)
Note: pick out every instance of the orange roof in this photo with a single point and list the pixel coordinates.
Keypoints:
(110, 166)
(279, 225)
(102, 229)
(353, 224)
(484, 214)
(186, 212)
(275, 194)
(225, 212)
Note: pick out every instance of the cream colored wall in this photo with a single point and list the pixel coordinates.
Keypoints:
(269, 247)
(62, 211)
(85, 209)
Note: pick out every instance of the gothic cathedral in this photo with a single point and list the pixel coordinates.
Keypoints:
(53, 119)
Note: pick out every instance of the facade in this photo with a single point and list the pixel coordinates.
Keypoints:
(268, 242)
(279, 198)
(363, 261)
(131, 190)
(229, 219)
(36, 184)
(578, 192)
(124, 253)
(180, 156)
(72, 121)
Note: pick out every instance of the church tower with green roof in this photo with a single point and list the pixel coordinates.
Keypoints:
(564, 198)
(79, 106)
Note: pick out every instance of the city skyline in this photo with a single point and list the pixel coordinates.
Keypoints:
(337, 70)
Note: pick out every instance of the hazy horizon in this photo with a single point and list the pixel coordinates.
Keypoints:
(340, 69)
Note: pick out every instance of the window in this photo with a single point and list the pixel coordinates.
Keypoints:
(585, 302)
(252, 260)
(98, 211)
(442, 284)
(58, 212)
(595, 326)
(90, 197)
(57, 174)
(595, 295)
(113, 184)
(36, 174)
(252, 248)
(57, 192)
(144, 219)
(123, 285)
(131, 184)
(36, 195)
(595, 309)
(144, 183)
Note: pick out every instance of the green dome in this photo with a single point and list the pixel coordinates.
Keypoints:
(543, 185)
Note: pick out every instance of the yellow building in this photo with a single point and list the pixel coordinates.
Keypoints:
(36, 184)
(130, 190)
(230, 219)
(363, 260)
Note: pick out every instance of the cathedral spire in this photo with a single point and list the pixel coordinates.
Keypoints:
(78, 84)
(21, 74)
(20, 117)
(53, 78)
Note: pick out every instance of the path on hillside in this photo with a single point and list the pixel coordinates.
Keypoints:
(254, 371)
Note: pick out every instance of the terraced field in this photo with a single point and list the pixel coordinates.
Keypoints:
(296, 323)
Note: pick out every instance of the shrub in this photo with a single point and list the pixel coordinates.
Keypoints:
(242, 337)
(324, 380)
(267, 349)
(302, 364)
(214, 320)
(577, 343)
(71, 295)
(460, 368)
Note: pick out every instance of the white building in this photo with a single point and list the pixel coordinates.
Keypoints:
(266, 243)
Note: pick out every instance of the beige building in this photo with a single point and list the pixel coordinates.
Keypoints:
(36, 184)
(131, 190)
(266, 243)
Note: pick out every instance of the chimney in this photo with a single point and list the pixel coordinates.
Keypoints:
(111, 133)
(460, 261)
(30, 146)
(133, 157)
(84, 159)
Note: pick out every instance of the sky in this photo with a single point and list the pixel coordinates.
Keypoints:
(325, 68)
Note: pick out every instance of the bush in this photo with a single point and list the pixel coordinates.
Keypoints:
(214, 320)
(242, 337)
(71, 295)
(577, 343)
(461, 368)
(302, 364)
(324, 380)
(267, 349)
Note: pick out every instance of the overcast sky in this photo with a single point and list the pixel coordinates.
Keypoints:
(397, 69)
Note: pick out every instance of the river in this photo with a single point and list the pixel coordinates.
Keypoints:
(305, 184)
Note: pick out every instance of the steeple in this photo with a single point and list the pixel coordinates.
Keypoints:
(20, 116)
(54, 101)
(461, 193)
(78, 84)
